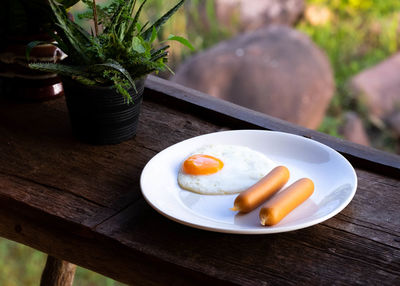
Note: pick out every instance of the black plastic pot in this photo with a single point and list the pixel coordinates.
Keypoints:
(101, 115)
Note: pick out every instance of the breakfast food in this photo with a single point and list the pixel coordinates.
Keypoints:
(223, 169)
(200, 164)
(262, 190)
(285, 201)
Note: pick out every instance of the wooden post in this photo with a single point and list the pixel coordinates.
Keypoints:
(57, 273)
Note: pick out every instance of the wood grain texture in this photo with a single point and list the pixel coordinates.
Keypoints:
(82, 203)
(57, 273)
(337, 251)
(88, 248)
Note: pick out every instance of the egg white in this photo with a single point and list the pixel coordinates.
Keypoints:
(242, 168)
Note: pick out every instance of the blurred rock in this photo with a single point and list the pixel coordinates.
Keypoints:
(353, 129)
(393, 122)
(317, 15)
(379, 87)
(253, 14)
(276, 70)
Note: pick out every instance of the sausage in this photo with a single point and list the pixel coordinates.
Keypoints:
(251, 198)
(285, 201)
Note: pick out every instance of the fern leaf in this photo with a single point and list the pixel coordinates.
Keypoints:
(85, 80)
(114, 65)
(60, 69)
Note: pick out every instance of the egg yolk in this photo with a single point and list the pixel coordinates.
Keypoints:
(202, 165)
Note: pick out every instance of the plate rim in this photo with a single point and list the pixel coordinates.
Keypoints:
(266, 230)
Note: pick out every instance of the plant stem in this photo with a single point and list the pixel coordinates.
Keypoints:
(96, 25)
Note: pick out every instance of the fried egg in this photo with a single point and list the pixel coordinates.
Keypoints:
(223, 169)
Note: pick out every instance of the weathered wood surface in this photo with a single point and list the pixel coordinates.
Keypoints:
(58, 272)
(82, 203)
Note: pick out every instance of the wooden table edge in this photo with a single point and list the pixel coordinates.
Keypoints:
(174, 94)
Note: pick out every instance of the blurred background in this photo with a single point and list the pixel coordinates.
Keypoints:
(327, 65)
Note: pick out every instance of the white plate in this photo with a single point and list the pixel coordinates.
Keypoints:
(334, 178)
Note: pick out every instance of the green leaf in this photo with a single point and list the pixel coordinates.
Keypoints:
(117, 20)
(181, 40)
(147, 33)
(144, 26)
(127, 24)
(72, 35)
(131, 6)
(60, 69)
(159, 56)
(163, 48)
(138, 12)
(111, 64)
(137, 45)
(85, 80)
(153, 35)
(134, 24)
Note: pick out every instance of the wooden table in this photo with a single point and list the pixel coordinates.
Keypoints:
(83, 204)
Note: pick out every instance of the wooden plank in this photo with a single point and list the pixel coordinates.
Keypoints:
(81, 245)
(225, 112)
(52, 201)
(374, 211)
(139, 235)
(319, 254)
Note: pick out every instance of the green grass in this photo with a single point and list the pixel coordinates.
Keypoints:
(356, 38)
(22, 265)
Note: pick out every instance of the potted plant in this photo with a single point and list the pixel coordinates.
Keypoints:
(103, 75)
